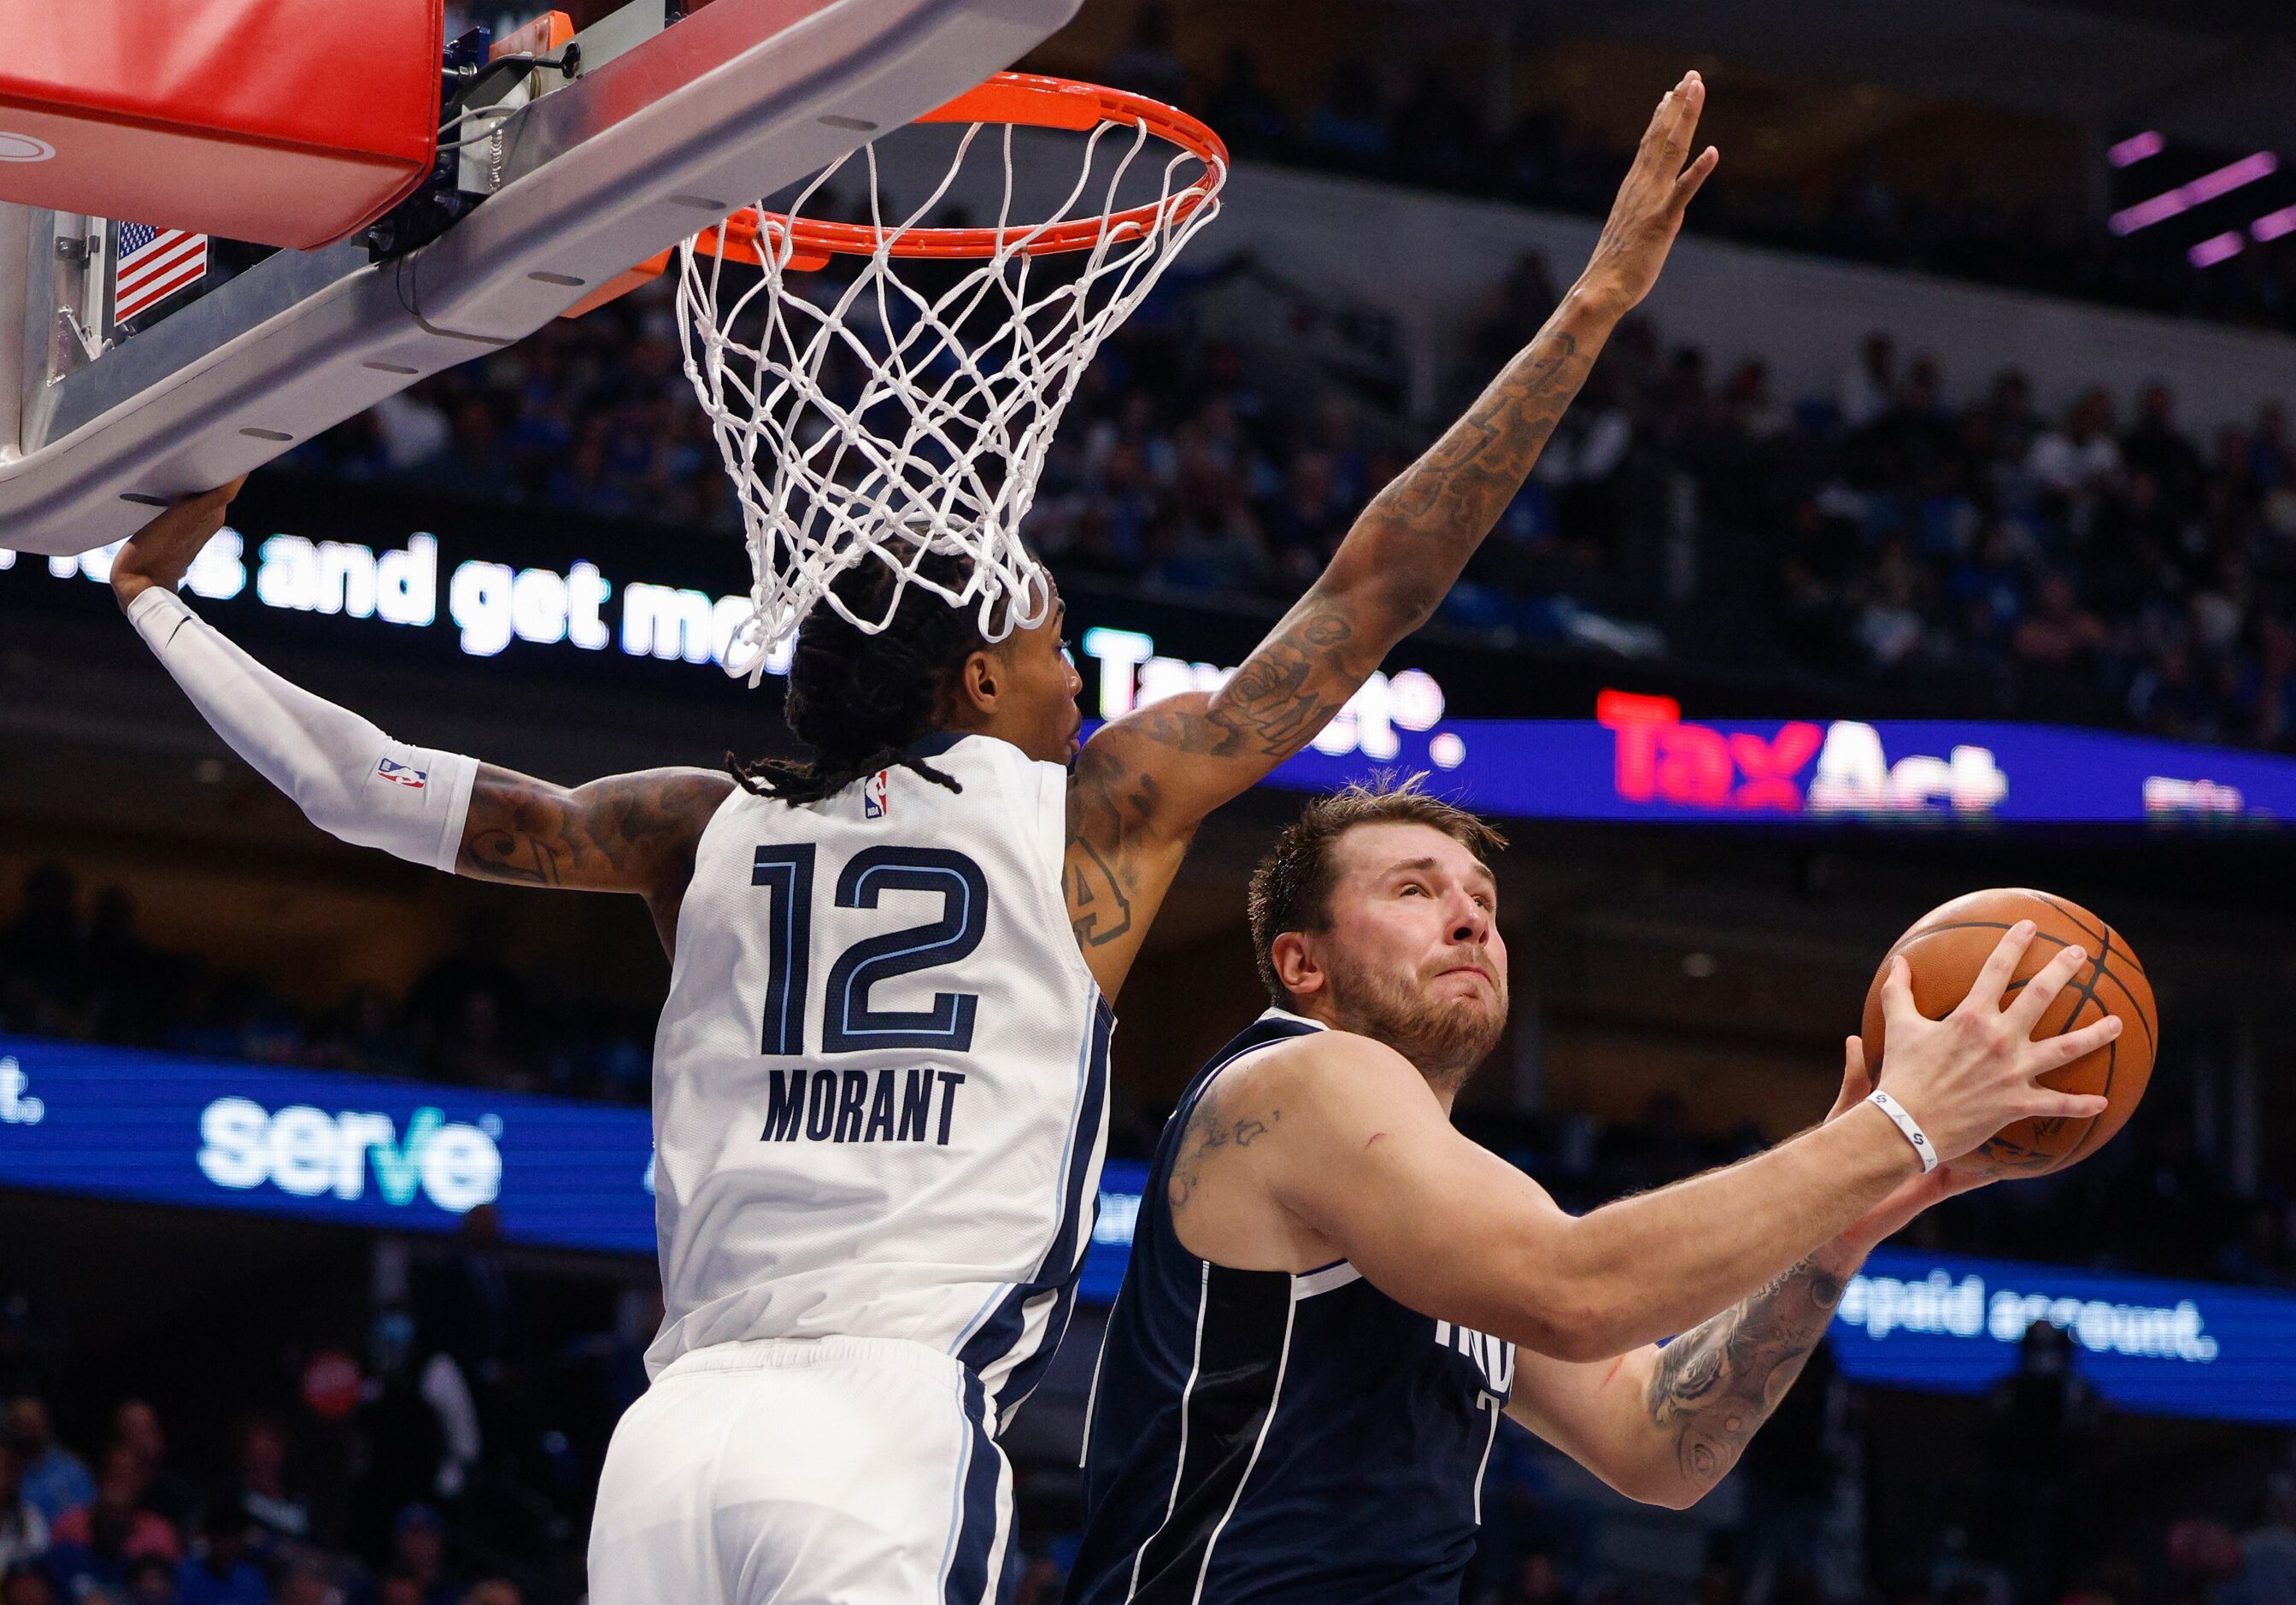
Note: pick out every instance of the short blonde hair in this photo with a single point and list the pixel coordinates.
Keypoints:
(1292, 888)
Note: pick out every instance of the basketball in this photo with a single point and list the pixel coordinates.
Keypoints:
(1948, 945)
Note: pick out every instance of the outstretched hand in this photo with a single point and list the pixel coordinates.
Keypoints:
(1648, 212)
(162, 551)
(1893, 1214)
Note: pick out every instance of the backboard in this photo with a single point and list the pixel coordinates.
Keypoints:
(670, 123)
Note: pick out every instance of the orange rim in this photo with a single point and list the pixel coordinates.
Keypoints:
(1023, 99)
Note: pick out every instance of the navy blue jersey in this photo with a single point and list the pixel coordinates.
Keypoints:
(1259, 1436)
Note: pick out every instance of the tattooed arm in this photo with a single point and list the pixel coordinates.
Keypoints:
(628, 833)
(446, 812)
(1146, 781)
(1665, 1425)
(632, 833)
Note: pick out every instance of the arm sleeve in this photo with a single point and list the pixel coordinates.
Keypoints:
(350, 780)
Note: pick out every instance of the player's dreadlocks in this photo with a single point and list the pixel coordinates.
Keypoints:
(858, 699)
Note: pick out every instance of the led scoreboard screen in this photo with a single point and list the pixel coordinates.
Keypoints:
(1639, 758)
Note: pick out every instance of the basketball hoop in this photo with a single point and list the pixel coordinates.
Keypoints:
(876, 419)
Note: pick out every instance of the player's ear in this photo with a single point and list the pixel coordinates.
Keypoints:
(1297, 967)
(978, 682)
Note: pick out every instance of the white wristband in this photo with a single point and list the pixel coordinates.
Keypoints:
(1906, 1122)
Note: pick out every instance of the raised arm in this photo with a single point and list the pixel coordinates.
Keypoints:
(632, 833)
(1144, 782)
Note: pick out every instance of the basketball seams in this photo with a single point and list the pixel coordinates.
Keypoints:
(2137, 1008)
(2103, 936)
(2100, 968)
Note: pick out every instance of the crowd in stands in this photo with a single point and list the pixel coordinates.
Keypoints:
(74, 965)
(2096, 564)
(451, 1459)
(1420, 122)
(403, 1475)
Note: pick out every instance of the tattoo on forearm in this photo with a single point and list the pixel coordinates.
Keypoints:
(1394, 567)
(1430, 519)
(1413, 541)
(1712, 1387)
(1211, 1129)
(617, 835)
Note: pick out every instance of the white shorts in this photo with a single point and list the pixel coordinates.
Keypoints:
(852, 1470)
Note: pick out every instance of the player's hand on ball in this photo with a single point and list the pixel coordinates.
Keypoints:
(1965, 1077)
(1648, 212)
(162, 551)
(1886, 1219)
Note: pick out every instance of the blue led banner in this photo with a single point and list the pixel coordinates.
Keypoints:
(1947, 1323)
(351, 1149)
(1644, 762)
(1951, 1323)
(1121, 1183)
(1639, 759)
(406, 595)
(406, 1156)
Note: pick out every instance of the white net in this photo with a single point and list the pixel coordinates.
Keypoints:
(864, 418)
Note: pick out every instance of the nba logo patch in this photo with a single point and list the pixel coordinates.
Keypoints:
(402, 774)
(873, 795)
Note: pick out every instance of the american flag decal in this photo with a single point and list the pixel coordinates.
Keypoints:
(154, 263)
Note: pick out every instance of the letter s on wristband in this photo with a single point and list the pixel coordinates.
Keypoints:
(1905, 1122)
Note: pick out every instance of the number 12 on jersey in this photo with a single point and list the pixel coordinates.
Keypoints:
(850, 1024)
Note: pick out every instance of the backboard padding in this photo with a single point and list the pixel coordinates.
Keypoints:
(738, 99)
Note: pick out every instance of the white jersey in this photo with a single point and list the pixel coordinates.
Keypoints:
(879, 1090)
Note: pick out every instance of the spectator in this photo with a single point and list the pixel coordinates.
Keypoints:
(220, 1572)
(103, 1538)
(412, 430)
(2046, 1422)
(152, 1581)
(1350, 125)
(2083, 453)
(27, 1586)
(276, 1516)
(2267, 1550)
(1247, 117)
(1149, 66)
(303, 1584)
(418, 1556)
(23, 1530)
(494, 1591)
(2156, 446)
(55, 1479)
(135, 1427)
(1868, 384)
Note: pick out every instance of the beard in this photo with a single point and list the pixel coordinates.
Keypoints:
(1446, 1038)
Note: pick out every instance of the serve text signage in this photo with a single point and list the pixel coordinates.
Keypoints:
(350, 1149)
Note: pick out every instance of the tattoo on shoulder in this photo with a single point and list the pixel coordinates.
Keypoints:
(1211, 1128)
(1712, 1387)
